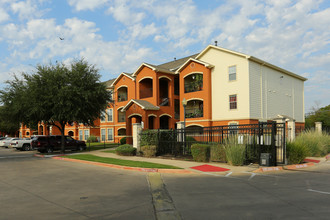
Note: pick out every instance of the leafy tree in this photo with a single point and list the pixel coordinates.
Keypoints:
(7, 126)
(319, 115)
(57, 95)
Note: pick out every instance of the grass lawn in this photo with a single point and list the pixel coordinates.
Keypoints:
(128, 163)
(99, 145)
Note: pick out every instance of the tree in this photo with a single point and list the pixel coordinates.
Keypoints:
(319, 115)
(57, 95)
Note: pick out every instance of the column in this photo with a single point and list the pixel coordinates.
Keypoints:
(136, 136)
(291, 130)
(318, 127)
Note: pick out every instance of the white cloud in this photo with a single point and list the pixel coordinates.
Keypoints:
(122, 12)
(26, 9)
(81, 5)
(290, 34)
(3, 15)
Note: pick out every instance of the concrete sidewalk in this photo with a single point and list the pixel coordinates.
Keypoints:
(178, 163)
(187, 165)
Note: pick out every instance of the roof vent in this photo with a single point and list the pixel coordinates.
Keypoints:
(216, 43)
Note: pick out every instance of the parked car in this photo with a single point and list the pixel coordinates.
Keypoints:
(6, 142)
(22, 144)
(50, 143)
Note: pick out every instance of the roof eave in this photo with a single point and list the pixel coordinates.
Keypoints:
(116, 80)
(276, 68)
(207, 65)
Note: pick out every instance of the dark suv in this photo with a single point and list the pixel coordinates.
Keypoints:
(50, 143)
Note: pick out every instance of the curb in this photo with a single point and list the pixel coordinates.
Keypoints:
(47, 156)
(267, 169)
(298, 166)
(154, 170)
(287, 167)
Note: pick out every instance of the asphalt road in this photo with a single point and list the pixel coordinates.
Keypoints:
(43, 188)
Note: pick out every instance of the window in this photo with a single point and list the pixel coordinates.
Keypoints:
(122, 94)
(194, 109)
(80, 134)
(102, 116)
(232, 73)
(233, 102)
(109, 113)
(102, 134)
(110, 134)
(193, 82)
(86, 134)
(121, 116)
(233, 128)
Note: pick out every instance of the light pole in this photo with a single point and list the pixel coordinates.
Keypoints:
(184, 103)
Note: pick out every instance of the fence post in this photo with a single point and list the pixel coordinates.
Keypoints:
(292, 130)
(318, 127)
(137, 128)
(274, 129)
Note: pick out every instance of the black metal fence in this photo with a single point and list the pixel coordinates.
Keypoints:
(258, 138)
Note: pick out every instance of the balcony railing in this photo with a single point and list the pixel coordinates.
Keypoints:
(194, 113)
(164, 102)
(193, 87)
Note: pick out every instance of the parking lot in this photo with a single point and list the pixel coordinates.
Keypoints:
(44, 188)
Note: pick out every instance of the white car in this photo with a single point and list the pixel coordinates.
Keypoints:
(21, 144)
(6, 142)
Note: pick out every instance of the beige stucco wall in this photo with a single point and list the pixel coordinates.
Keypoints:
(222, 88)
(274, 93)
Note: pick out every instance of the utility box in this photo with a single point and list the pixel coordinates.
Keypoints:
(266, 159)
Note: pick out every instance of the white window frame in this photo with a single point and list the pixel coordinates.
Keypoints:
(109, 115)
(110, 134)
(232, 71)
(81, 135)
(233, 128)
(102, 116)
(103, 134)
(86, 134)
(233, 102)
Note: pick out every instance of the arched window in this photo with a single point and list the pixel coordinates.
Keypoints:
(194, 109)
(121, 115)
(193, 82)
(122, 94)
(145, 86)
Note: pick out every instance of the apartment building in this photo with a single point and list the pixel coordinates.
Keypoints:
(218, 86)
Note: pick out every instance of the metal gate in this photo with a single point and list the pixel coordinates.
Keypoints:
(264, 137)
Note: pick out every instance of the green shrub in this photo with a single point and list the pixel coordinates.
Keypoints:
(122, 141)
(149, 150)
(200, 152)
(296, 152)
(148, 137)
(235, 152)
(190, 139)
(126, 150)
(318, 144)
(217, 153)
(92, 139)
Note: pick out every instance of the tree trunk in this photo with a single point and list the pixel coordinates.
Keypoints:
(62, 138)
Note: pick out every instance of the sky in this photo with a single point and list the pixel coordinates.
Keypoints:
(118, 35)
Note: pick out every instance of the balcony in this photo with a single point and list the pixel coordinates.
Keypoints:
(193, 83)
(194, 109)
(122, 94)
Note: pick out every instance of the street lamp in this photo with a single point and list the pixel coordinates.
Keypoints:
(184, 103)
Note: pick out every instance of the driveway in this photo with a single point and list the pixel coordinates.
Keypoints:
(44, 188)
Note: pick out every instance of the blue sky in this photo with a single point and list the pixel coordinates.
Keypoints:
(118, 35)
